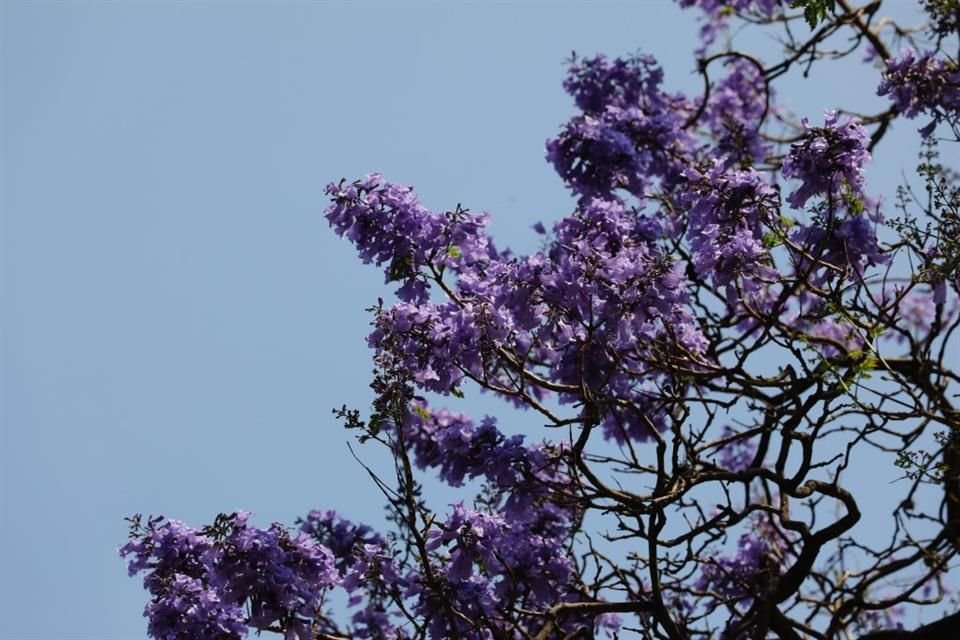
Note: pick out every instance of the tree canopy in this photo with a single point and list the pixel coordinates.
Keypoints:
(728, 329)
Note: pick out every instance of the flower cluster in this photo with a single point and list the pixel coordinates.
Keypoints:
(202, 581)
(527, 558)
(735, 576)
(490, 562)
(831, 334)
(730, 213)
(734, 114)
(911, 314)
(630, 130)
(832, 248)
(827, 160)
(460, 449)
(186, 608)
(370, 573)
(735, 581)
(439, 344)
(923, 84)
(842, 239)
(375, 583)
(339, 535)
(389, 226)
(603, 297)
(598, 82)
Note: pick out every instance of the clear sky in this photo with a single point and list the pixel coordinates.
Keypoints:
(178, 320)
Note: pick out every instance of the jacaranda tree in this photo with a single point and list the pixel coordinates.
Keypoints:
(728, 329)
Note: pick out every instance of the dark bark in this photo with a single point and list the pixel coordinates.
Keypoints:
(944, 629)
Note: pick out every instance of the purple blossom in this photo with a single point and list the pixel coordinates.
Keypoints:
(924, 84)
(522, 475)
(282, 576)
(914, 312)
(597, 155)
(833, 336)
(630, 131)
(839, 247)
(764, 549)
(389, 226)
(439, 344)
(374, 582)
(598, 82)
(201, 580)
(186, 609)
(735, 576)
(339, 535)
(492, 559)
(730, 213)
(827, 160)
(165, 548)
(602, 288)
(734, 114)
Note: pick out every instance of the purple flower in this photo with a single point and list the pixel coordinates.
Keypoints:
(730, 213)
(598, 82)
(924, 84)
(764, 549)
(629, 134)
(186, 609)
(279, 574)
(389, 226)
(521, 475)
(734, 114)
(914, 312)
(339, 535)
(828, 160)
(839, 247)
(202, 580)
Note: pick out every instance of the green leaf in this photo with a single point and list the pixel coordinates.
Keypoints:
(420, 411)
(454, 251)
(373, 425)
(815, 11)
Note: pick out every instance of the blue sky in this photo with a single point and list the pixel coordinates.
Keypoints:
(178, 319)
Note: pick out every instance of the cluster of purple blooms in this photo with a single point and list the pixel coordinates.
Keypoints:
(735, 113)
(224, 580)
(735, 576)
(603, 297)
(911, 314)
(389, 226)
(629, 134)
(738, 453)
(461, 450)
(730, 212)
(829, 162)
(514, 554)
(735, 581)
(203, 583)
(923, 83)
